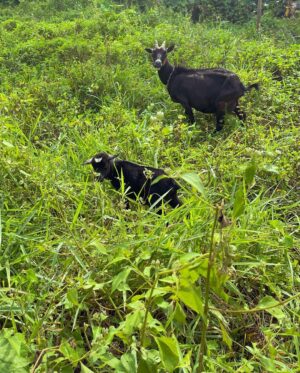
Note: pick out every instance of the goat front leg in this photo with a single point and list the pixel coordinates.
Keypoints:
(219, 121)
(174, 201)
(189, 112)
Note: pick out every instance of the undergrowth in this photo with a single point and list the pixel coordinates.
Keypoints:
(89, 286)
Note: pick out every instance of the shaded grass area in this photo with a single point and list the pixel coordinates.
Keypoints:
(86, 284)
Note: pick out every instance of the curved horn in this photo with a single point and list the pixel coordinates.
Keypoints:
(98, 160)
(163, 44)
(111, 157)
(156, 44)
(89, 161)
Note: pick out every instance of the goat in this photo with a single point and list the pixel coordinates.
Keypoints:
(216, 91)
(149, 183)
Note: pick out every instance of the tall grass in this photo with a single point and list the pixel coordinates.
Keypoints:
(88, 286)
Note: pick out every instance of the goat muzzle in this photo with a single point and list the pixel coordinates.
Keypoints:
(157, 64)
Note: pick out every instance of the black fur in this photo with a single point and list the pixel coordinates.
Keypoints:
(214, 91)
(139, 180)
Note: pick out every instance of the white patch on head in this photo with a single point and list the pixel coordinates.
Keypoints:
(98, 160)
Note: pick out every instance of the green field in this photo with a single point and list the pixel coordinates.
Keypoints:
(87, 286)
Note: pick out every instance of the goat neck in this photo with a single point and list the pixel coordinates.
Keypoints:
(113, 170)
(165, 71)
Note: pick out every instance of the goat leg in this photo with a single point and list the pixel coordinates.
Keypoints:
(189, 113)
(240, 113)
(219, 121)
(174, 202)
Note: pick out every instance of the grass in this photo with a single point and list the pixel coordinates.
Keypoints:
(88, 286)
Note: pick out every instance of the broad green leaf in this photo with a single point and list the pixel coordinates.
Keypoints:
(85, 369)
(72, 296)
(278, 225)
(115, 363)
(288, 241)
(239, 202)
(169, 352)
(194, 179)
(17, 342)
(179, 314)
(13, 354)
(217, 282)
(129, 362)
(188, 277)
(191, 297)
(67, 369)
(275, 311)
(101, 249)
(131, 323)
(271, 168)
(249, 173)
(146, 367)
(69, 353)
(186, 361)
(120, 279)
(268, 364)
(151, 359)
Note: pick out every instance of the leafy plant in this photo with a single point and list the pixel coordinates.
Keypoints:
(89, 286)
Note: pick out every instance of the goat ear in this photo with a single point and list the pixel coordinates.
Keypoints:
(149, 50)
(170, 48)
(89, 161)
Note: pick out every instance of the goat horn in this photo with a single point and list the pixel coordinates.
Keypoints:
(98, 160)
(156, 44)
(163, 44)
(111, 157)
(89, 161)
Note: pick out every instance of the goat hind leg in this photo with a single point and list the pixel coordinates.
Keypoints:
(240, 113)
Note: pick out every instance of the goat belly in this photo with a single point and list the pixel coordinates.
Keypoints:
(197, 92)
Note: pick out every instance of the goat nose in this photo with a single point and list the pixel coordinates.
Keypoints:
(157, 63)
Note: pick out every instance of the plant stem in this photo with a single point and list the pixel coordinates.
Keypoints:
(202, 349)
(253, 310)
(147, 306)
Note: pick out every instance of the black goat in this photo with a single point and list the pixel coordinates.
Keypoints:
(215, 91)
(150, 184)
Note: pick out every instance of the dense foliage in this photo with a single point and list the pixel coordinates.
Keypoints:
(88, 286)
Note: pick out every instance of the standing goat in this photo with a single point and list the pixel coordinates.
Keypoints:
(150, 184)
(215, 91)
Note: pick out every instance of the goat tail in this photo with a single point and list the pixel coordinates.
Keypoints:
(251, 86)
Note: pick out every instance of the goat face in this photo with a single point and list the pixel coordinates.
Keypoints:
(159, 54)
(102, 164)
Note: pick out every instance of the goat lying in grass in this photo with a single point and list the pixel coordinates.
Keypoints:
(150, 184)
(215, 91)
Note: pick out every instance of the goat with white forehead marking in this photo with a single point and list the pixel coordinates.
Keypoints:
(215, 91)
(140, 181)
